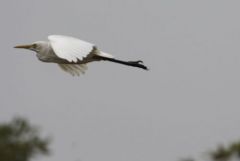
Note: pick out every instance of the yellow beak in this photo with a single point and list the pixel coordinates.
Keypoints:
(24, 46)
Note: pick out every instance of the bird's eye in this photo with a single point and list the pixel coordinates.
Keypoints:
(34, 46)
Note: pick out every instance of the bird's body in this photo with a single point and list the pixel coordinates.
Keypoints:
(47, 54)
(72, 54)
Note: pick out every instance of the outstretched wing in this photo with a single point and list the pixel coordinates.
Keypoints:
(74, 69)
(70, 48)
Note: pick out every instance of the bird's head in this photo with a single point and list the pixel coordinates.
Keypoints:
(36, 46)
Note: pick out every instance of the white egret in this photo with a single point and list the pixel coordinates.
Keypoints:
(72, 54)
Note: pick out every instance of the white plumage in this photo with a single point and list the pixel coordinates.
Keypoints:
(70, 48)
(72, 54)
(74, 69)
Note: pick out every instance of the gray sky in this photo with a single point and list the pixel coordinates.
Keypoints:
(187, 103)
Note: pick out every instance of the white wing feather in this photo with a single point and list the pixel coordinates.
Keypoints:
(70, 48)
(74, 69)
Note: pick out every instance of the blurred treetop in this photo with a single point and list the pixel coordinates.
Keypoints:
(20, 141)
(223, 153)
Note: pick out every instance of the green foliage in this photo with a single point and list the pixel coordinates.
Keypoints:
(223, 153)
(19, 141)
(226, 153)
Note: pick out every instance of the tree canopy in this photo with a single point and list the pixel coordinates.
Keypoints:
(223, 153)
(20, 141)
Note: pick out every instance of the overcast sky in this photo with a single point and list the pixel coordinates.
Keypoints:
(187, 103)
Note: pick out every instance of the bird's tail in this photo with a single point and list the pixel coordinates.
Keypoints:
(138, 63)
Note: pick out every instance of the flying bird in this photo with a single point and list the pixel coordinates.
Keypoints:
(72, 54)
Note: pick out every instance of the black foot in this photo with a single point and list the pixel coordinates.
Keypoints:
(136, 62)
